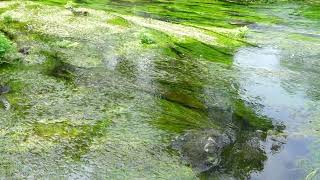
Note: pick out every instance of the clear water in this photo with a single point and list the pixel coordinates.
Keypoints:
(116, 108)
(282, 77)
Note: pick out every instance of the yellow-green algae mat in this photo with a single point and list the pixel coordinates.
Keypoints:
(103, 95)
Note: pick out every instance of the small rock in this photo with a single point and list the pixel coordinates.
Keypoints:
(240, 22)
(4, 89)
(24, 50)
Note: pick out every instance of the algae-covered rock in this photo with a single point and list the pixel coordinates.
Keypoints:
(202, 149)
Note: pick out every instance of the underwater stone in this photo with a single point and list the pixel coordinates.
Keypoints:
(78, 12)
(4, 89)
(240, 22)
(202, 149)
(3, 99)
(24, 50)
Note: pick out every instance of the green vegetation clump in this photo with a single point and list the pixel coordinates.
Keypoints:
(5, 47)
(312, 11)
(246, 118)
(199, 50)
(145, 39)
(119, 21)
(178, 119)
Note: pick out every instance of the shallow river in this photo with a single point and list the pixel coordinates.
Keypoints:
(110, 96)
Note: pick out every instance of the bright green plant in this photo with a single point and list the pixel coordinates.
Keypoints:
(5, 47)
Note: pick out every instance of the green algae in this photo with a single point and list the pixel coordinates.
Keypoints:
(145, 39)
(55, 66)
(200, 50)
(5, 46)
(205, 13)
(154, 90)
(119, 21)
(243, 158)
(248, 118)
(176, 118)
(311, 10)
(78, 135)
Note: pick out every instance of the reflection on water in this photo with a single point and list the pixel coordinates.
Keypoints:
(275, 76)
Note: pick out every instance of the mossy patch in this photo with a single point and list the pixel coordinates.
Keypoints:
(79, 136)
(119, 21)
(5, 46)
(147, 39)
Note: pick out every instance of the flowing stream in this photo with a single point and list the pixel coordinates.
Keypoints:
(159, 90)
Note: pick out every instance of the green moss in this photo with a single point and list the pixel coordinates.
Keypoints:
(78, 136)
(126, 67)
(12, 28)
(205, 13)
(68, 130)
(119, 21)
(61, 130)
(12, 6)
(5, 47)
(145, 39)
(184, 93)
(183, 99)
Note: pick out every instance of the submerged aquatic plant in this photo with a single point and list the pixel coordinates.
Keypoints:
(5, 47)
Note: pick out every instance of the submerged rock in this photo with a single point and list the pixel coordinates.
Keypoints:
(202, 149)
(240, 22)
(4, 89)
(3, 99)
(25, 50)
(78, 12)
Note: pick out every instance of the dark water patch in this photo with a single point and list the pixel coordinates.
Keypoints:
(57, 67)
(244, 156)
